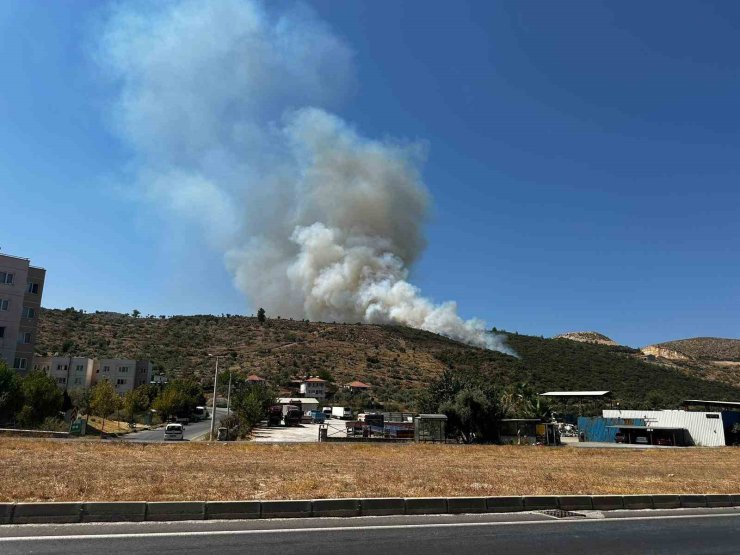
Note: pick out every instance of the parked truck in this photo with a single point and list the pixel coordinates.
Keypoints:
(274, 415)
(293, 416)
(343, 413)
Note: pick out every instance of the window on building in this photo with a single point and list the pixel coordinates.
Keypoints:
(62, 380)
(33, 288)
(123, 369)
(78, 381)
(106, 368)
(79, 368)
(25, 339)
(4, 304)
(19, 364)
(61, 367)
(6, 277)
(29, 312)
(2, 332)
(121, 381)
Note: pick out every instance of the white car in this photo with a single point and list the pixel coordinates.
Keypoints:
(173, 432)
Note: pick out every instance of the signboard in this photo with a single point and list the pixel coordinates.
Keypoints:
(77, 428)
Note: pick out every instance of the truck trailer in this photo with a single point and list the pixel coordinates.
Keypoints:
(343, 413)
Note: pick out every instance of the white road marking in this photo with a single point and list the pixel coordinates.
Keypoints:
(76, 537)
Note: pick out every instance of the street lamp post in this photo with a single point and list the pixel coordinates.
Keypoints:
(213, 411)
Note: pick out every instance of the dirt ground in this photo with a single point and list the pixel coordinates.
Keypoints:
(61, 470)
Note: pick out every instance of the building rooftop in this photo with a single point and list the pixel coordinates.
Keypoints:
(315, 380)
(357, 383)
(727, 404)
(575, 394)
(255, 378)
(303, 400)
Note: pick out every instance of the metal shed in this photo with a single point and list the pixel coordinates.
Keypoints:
(430, 427)
(705, 428)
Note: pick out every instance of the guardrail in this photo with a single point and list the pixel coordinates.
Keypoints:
(139, 511)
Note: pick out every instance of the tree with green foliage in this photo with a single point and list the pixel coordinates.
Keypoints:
(41, 399)
(104, 401)
(249, 402)
(135, 313)
(81, 398)
(135, 401)
(179, 398)
(11, 393)
(472, 404)
(261, 315)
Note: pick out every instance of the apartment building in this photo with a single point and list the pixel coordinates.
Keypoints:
(124, 374)
(68, 372)
(78, 372)
(21, 288)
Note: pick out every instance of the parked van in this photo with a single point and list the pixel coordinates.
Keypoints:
(173, 432)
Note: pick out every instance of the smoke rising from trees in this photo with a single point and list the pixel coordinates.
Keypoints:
(227, 108)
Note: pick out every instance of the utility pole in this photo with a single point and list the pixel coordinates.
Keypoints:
(228, 398)
(213, 412)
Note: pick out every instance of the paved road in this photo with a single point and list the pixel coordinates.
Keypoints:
(192, 431)
(695, 532)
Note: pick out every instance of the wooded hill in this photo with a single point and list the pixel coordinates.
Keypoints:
(397, 361)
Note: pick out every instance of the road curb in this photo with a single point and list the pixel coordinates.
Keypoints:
(137, 511)
(47, 513)
(114, 511)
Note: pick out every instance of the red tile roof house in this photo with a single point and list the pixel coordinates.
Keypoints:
(314, 387)
(357, 387)
(256, 380)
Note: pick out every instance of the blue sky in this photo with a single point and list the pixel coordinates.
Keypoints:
(582, 159)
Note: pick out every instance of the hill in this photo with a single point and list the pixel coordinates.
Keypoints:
(587, 337)
(704, 348)
(398, 361)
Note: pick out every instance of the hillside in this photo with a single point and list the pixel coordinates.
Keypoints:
(705, 348)
(397, 361)
(587, 337)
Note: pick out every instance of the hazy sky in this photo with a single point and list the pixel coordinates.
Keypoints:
(582, 160)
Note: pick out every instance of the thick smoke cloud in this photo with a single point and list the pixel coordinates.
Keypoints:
(225, 106)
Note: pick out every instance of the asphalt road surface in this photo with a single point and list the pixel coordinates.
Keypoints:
(682, 531)
(191, 431)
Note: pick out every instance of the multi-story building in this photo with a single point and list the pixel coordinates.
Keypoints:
(314, 387)
(124, 374)
(77, 372)
(21, 287)
(69, 372)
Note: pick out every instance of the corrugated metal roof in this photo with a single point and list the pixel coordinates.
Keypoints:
(575, 393)
(732, 404)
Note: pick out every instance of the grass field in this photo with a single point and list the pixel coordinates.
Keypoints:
(49, 470)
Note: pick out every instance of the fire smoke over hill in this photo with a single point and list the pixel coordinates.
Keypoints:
(225, 106)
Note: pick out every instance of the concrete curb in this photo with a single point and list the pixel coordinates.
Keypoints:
(47, 513)
(115, 511)
(137, 511)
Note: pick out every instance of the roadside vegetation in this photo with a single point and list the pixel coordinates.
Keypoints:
(41, 470)
(36, 402)
(399, 362)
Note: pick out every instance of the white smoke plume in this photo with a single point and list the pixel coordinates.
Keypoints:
(225, 106)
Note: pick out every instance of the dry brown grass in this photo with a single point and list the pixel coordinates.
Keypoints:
(48, 470)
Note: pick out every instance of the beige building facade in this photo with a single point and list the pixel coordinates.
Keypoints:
(21, 289)
(79, 372)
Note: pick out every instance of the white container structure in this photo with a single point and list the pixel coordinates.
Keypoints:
(705, 428)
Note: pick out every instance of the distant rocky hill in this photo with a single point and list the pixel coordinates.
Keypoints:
(698, 348)
(397, 361)
(587, 337)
